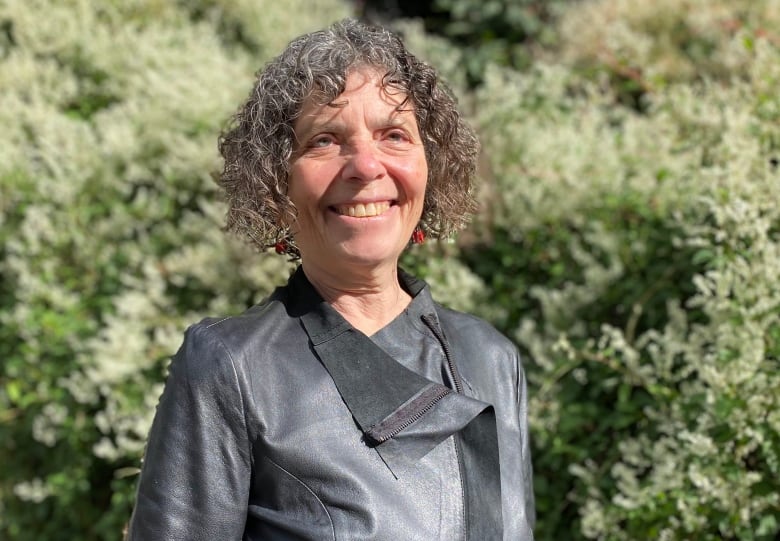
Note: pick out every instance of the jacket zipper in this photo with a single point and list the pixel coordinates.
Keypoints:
(380, 434)
(431, 324)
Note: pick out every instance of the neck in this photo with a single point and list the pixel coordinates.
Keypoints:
(368, 300)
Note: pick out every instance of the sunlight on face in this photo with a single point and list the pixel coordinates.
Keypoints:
(358, 176)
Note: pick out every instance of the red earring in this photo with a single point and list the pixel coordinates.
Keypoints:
(281, 247)
(418, 236)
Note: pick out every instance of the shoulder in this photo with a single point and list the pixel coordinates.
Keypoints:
(472, 329)
(487, 359)
(233, 331)
(221, 343)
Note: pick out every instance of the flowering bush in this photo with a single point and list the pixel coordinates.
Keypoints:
(110, 241)
(632, 252)
(644, 46)
(635, 255)
(110, 232)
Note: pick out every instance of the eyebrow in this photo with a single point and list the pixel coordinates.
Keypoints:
(393, 121)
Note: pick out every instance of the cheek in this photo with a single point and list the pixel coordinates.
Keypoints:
(301, 186)
(415, 175)
(421, 181)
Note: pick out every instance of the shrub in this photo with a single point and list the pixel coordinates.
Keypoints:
(635, 259)
(631, 250)
(110, 241)
(641, 46)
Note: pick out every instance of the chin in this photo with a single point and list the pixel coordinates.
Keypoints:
(370, 254)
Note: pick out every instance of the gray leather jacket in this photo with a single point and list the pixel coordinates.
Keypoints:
(287, 423)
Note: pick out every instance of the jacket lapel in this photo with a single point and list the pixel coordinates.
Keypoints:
(402, 414)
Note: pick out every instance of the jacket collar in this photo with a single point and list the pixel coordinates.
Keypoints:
(381, 393)
(402, 414)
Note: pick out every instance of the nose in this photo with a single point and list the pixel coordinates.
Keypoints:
(363, 163)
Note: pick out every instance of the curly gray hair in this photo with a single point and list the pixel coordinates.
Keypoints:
(257, 146)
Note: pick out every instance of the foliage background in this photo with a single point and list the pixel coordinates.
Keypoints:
(629, 241)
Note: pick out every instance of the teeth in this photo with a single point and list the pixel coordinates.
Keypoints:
(363, 211)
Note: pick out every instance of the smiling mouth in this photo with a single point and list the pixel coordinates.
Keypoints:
(361, 210)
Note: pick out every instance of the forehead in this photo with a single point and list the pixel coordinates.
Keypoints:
(365, 88)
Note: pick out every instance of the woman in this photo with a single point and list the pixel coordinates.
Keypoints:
(348, 405)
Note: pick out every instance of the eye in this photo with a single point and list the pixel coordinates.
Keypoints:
(396, 136)
(322, 141)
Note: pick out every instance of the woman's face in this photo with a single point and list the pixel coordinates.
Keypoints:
(357, 177)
